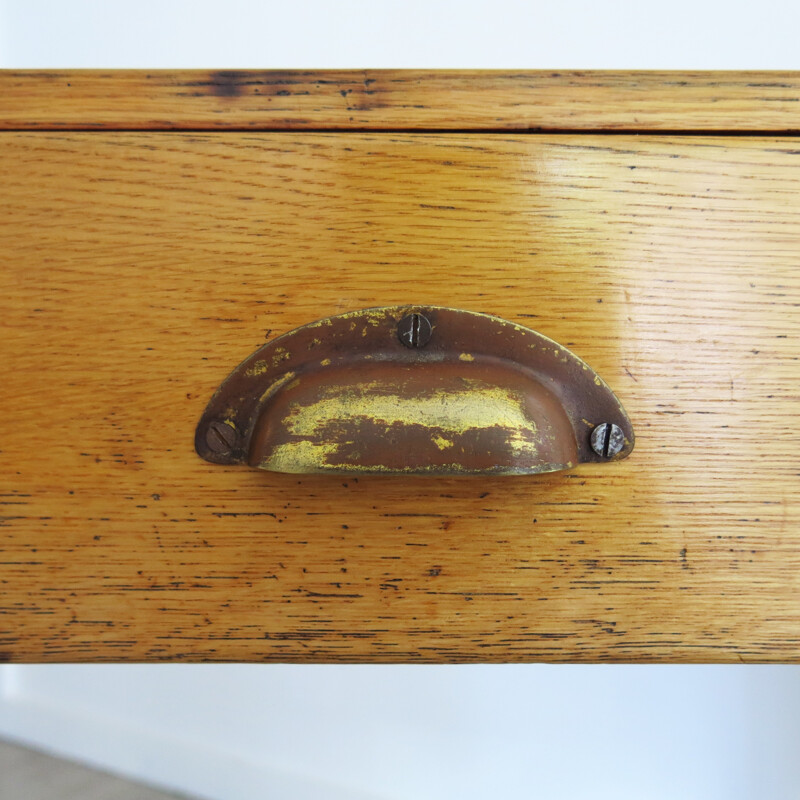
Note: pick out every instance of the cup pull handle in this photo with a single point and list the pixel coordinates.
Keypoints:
(413, 390)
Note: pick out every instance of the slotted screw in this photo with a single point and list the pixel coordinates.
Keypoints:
(414, 330)
(607, 439)
(220, 437)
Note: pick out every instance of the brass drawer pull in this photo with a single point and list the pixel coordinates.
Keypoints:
(413, 390)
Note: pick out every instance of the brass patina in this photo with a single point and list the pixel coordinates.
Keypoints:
(411, 390)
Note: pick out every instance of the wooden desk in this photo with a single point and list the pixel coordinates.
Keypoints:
(156, 228)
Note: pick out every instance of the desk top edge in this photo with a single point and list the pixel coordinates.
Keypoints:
(632, 101)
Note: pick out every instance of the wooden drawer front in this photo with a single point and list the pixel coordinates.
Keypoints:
(139, 268)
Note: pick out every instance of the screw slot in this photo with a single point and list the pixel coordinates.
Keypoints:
(414, 330)
(220, 438)
(607, 439)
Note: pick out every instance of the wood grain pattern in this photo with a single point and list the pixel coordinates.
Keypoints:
(468, 100)
(139, 268)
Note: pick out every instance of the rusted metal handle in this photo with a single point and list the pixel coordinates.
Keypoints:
(413, 390)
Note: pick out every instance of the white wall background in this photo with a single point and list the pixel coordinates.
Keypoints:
(231, 732)
(423, 733)
(581, 34)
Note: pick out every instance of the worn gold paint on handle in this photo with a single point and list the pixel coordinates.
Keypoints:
(344, 394)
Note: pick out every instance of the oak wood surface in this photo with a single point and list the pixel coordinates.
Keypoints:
(136, 269)
(400, 99)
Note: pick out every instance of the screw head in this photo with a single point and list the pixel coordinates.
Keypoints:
(220, 437)
(414, 330)
(607, 439)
